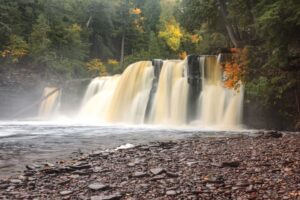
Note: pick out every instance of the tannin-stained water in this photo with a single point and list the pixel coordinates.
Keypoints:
(50, 102)
(119, 98)
(170, 103)
(218, 106)
(125, 98)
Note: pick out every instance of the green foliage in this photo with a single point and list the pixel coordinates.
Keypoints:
(39, 39)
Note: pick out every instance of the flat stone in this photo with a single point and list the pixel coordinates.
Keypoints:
(158, 177)
(231, 164)
(172, 174)
(66, 192)
(15, 181)
(79, 166)
(157, 171)
(242, 183)
(191, 164)
(115, 196)
(139, 174)
(131, 164)
(97, 186)
(171, 192)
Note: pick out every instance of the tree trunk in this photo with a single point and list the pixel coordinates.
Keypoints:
(122, 49)
(232, 35)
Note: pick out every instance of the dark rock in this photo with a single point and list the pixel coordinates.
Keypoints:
(4, 186)
(230, 164)
(171, 174)
(79, 166)
(272, 134)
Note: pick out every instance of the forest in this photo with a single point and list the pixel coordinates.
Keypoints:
(72, 39)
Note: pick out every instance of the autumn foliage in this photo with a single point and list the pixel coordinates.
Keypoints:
(97, 66)
(234, 68)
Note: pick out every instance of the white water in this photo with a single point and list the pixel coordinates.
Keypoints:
(124, 98)
(218, 106)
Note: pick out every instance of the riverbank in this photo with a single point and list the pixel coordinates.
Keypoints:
(266, 166)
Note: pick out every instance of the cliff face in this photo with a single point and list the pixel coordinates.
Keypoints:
(19, 88)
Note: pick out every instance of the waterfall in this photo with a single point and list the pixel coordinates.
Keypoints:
(49, 103)
(170, 92)
(170, 103)
(119, 98)
(218, 106)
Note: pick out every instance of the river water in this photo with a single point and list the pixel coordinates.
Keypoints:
(37, 142)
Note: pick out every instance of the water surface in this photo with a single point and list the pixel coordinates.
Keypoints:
(27, 142)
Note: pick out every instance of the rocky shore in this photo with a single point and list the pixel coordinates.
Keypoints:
(266, 166)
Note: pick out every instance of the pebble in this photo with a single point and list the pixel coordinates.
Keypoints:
(66, 192)
(157, 171)
(139, 174)
(97, 186)
(115, 196)
(171, 192)
(15, 181)
(224, 170)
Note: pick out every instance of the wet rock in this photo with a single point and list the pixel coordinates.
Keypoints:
(272, 134)
(157, 171)
(97, 186)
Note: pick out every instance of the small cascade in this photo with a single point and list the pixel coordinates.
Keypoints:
(49, 103)
(97, 98)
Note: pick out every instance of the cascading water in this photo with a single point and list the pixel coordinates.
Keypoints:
(170, 103)
(119, 98)
(50, 102)
(218, 106)
(171, 94)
